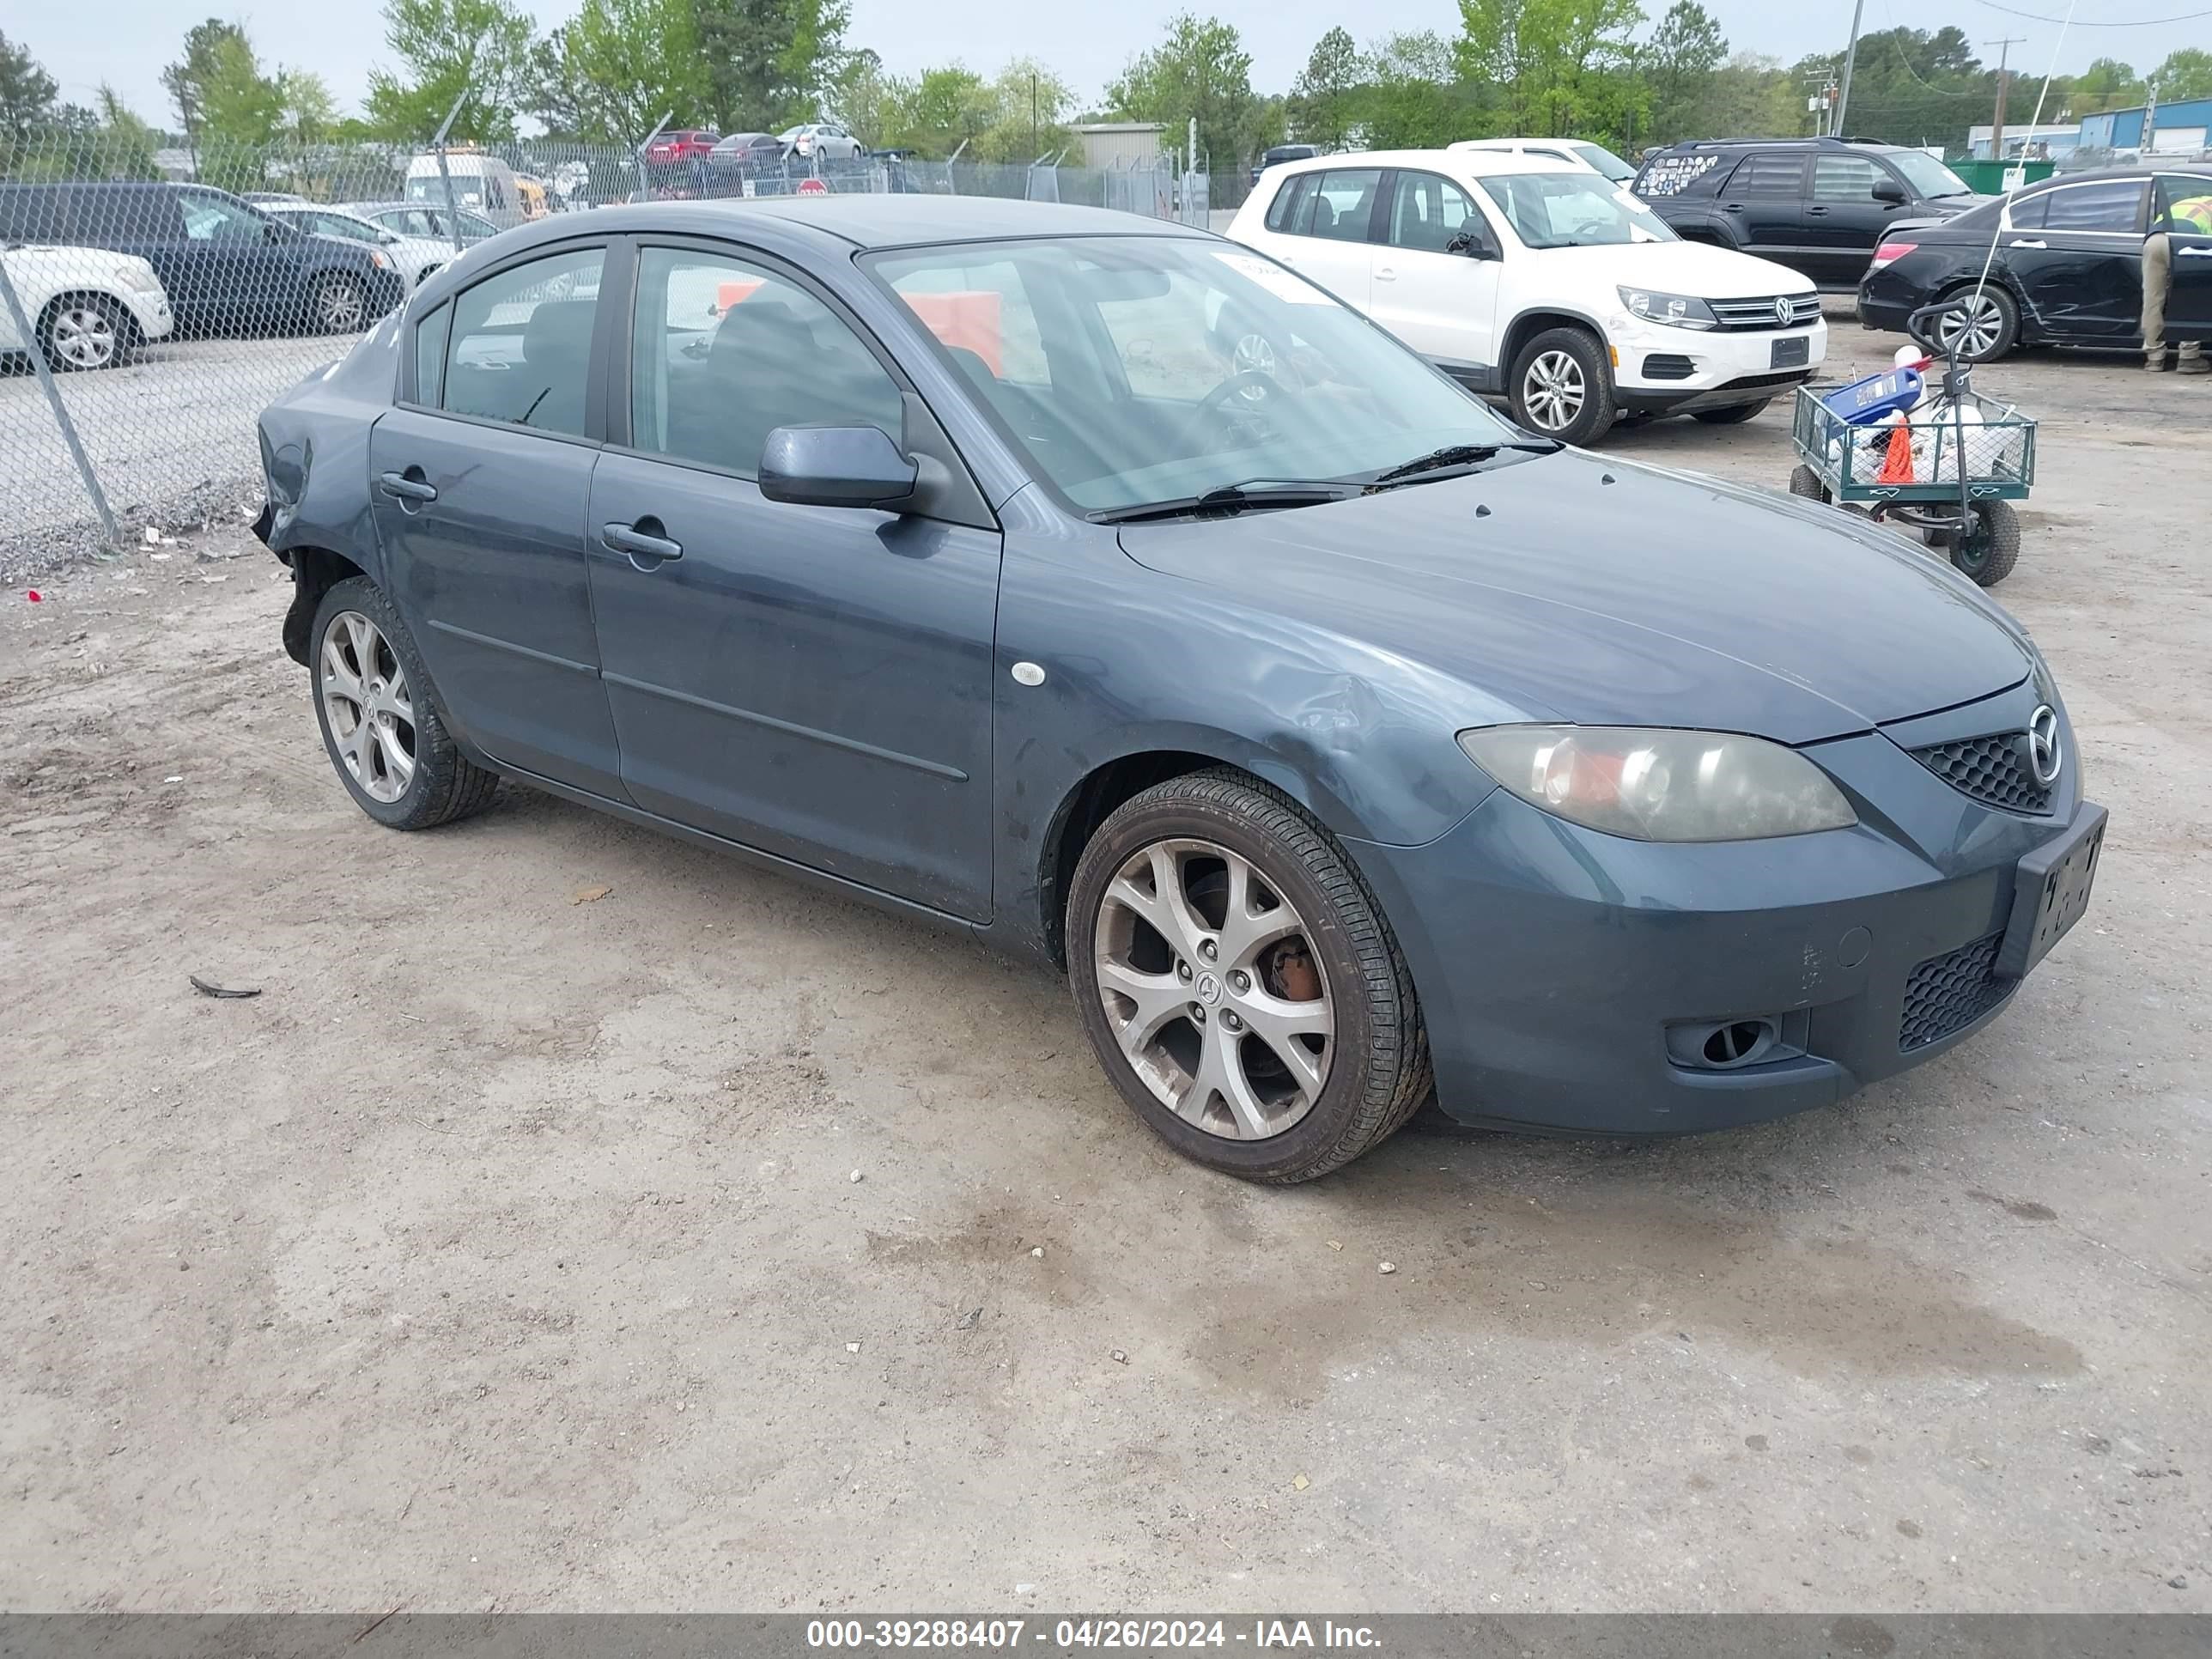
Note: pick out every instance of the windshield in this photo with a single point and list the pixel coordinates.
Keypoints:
(1137, 369)
(430, 188)
(1572, 210)
(1604, 161)
(1927, 175)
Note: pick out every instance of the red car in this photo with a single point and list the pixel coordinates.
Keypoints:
(684, 144)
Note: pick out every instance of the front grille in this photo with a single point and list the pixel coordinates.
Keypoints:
(1949, 993)
(1992, 769)
(1667, 366)
(1761, 314)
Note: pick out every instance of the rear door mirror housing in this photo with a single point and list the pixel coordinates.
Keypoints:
(835, 467)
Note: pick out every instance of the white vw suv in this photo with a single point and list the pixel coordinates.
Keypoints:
(1540, 281)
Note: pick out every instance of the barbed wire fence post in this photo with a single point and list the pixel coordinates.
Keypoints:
(35, 348)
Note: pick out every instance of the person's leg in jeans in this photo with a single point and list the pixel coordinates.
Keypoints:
(2157, 276)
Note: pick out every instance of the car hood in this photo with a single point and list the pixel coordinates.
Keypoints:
(1697, 269)
(1574, 588)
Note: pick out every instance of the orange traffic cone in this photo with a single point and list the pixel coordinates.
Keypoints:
(1897, 464)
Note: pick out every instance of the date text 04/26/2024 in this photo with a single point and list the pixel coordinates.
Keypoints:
(1070, 1634)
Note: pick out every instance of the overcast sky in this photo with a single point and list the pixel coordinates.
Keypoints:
(1086, 42)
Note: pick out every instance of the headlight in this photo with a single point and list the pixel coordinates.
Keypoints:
(1676, 310)
(1653, 785)
(380, 259)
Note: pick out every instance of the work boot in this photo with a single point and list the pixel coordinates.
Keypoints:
(2192, 360)
(2154, 363)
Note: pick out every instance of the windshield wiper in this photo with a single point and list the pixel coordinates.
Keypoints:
(1229, 499)
(1452, 455)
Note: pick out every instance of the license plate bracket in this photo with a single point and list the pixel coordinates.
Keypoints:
(1792, 353)
(2051, 892)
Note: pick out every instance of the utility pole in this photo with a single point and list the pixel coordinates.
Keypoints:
(1033, 112)
(1850, 56)
(2004, 78)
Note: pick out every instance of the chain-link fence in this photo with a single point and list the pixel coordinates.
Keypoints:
(153, 300)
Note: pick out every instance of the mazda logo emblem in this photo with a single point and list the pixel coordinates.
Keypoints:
(2043, 756)
(1784, 310)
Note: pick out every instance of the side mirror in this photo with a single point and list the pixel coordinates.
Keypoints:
(271, 231)
(1888, 190)
(1465, 244)
(835, 466)
(388, 239)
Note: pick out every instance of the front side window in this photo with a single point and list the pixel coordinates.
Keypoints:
(522, 347)
(2184, 204)
(212, 219)
(1845, 179)
(2116, 206)
(1427, 210)
(1174, 365)
(1928, 177)
(1572, 210)
(725, 352)
(337, 224)
(1344, 203)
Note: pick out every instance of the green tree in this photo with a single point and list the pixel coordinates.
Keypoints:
(769, 63)
(862, 97)
(127, 143)
(1558, 68)
(1320, 111)
(2108, 84)
(1029, 109)
(443, 46)
(943, 109)
(631, 62)
(308, 114)
(549, 96)
(1678, 62)
(1199, 70)
(241, 116)
(186, 80)
(1411, 95)
(26, 98)
(1913, 86)
(2184, 74)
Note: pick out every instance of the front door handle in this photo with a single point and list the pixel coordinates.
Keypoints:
(1385, 274)
(408, 486)
(646, 549)
(1816, 213)
(1732, 206)
(2034, 244)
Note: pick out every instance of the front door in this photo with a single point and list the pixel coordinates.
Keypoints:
(481, 481)
(1844, 222)
(813, 682)
(1435, 277)
(237, 267)
(2078, 255)
(2188, 303)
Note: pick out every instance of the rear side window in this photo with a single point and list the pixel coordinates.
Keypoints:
(521, 345)
(2116, 206)
(1283, 211)
(2026, 211)
(1344, 203)
(1769, 175)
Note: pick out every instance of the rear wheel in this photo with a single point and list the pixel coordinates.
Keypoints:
(1734, 415)
(1983, 326)
(1803, 481)
(1562, 385)
(1240, 984)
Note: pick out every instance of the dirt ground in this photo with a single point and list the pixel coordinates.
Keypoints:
(506, 1251)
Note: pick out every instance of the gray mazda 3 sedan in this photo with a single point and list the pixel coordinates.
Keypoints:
(1104, 588)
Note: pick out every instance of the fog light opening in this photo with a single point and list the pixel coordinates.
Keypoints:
(1735, 1043)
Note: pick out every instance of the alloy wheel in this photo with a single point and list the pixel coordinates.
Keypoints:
(368, 705)
(342, 308)
(1214, 990)
(1553, 391)
(82, 336)
(1255, 355)
(1971, 328)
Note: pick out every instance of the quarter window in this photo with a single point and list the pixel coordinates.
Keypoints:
(725, 352)
(430, 355)
(521, 348)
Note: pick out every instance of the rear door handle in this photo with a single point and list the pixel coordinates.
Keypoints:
(407, 489)
(2191, 252)
(640, 544)
(2034, 244)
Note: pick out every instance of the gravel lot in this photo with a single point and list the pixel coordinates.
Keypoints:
(504, 1252)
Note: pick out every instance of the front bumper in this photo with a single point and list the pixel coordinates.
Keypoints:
(1661, 369)
(150, 312)
(1551, 961)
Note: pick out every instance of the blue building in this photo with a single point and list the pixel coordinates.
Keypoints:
(2180, 128)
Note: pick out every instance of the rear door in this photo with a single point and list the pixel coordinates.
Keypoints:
(1431, 285)
(813, 682)
(1844, 221)
(2188, 303)
(1763, 203)
(2078, 255)
(1328, 238)
(481, 481)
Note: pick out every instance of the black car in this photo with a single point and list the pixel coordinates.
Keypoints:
(2068, 269)
(1819, 206)
(1281, 152)
(226, 264)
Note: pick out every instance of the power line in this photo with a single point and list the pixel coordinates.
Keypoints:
(2135, 23)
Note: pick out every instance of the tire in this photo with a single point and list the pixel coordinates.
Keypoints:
(1591, 376)
(1804, 482)
(1734, 415)
(339, 306)
(1996, 328)
(1987, 551)
(85, 332)
(1372, 1065)
(440, 783)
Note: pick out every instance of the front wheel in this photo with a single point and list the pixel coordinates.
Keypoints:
(1562, 385)
(1806, 482)
(1239, 983)
(85, 331)
(1990, 544)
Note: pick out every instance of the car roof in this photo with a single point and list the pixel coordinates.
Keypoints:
(870, 220)
(1462, 160)
(1805, 145)
(2136, 171)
